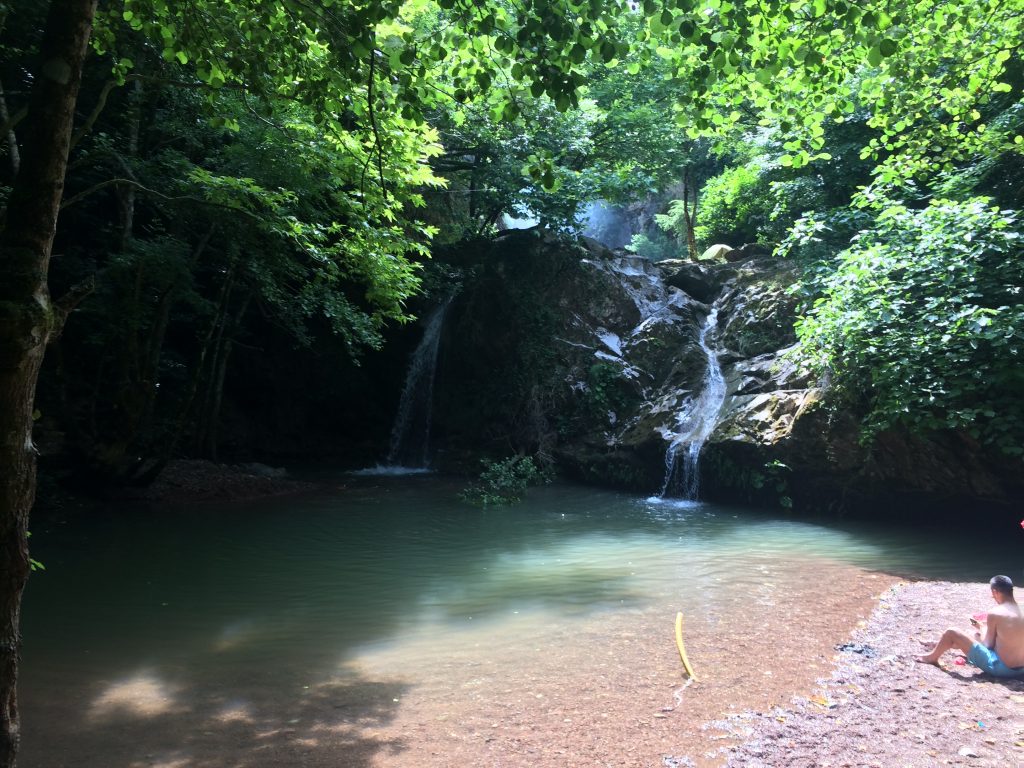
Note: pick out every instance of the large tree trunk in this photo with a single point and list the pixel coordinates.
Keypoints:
(28, 319)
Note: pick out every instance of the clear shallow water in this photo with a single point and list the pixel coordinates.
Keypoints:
(355, 567)
(137, 606)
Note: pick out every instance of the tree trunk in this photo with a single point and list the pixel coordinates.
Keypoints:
(11, 138)
(27, 318)
(205, 347)
(154, 345)
(212, 417)
(127, 193)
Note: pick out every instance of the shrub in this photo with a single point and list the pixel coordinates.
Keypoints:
(505, 481)
(922, 320)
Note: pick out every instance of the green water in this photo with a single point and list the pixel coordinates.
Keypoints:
(221, 600)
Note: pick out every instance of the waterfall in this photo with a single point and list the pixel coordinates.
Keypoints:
(641, 281)
(606, 223)
(410, 434)
(657, 306)
(694, 424)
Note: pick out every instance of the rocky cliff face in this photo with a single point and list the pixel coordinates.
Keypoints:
(592, 358)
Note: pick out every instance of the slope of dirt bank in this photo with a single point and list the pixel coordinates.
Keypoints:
(881, 708)
(187, 480)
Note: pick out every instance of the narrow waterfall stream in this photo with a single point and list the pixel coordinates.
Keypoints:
(694, 423)
(698, 416)
(410, 434)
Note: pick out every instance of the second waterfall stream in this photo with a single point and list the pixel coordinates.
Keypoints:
(695, 422)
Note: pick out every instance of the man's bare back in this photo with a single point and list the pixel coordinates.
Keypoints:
(1005, 633)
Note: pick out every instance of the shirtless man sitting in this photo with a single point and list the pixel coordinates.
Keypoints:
(1001, 651)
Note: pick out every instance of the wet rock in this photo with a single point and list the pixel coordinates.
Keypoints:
(192, 480)
(694, 279)
(864, 650)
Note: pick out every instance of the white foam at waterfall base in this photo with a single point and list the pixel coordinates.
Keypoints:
(695, 423)
(661, 501)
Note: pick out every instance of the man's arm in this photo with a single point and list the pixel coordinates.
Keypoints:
(990, 631)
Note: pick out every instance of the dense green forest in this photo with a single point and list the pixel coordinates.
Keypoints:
(235, 205)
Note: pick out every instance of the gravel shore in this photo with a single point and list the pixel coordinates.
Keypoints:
(881, 708)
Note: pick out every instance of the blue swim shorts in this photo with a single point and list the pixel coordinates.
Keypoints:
(986, 660)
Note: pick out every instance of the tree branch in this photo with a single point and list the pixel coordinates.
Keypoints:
(12, 122)
(373, 123)
(90, 121)
(66, 304)
(169, 198)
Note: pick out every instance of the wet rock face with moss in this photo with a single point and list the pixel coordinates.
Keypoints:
(585, 356)
(588, 355)
(575, 351)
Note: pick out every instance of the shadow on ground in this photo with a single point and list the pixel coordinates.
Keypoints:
(143, 720)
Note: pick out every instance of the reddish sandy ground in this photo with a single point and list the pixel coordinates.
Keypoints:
(609, 695)
(615, 694)
(607, 690)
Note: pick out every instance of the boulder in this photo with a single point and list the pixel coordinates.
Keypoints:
(691, 278)
(758, 311)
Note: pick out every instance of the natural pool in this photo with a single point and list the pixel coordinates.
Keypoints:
(388, 624)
